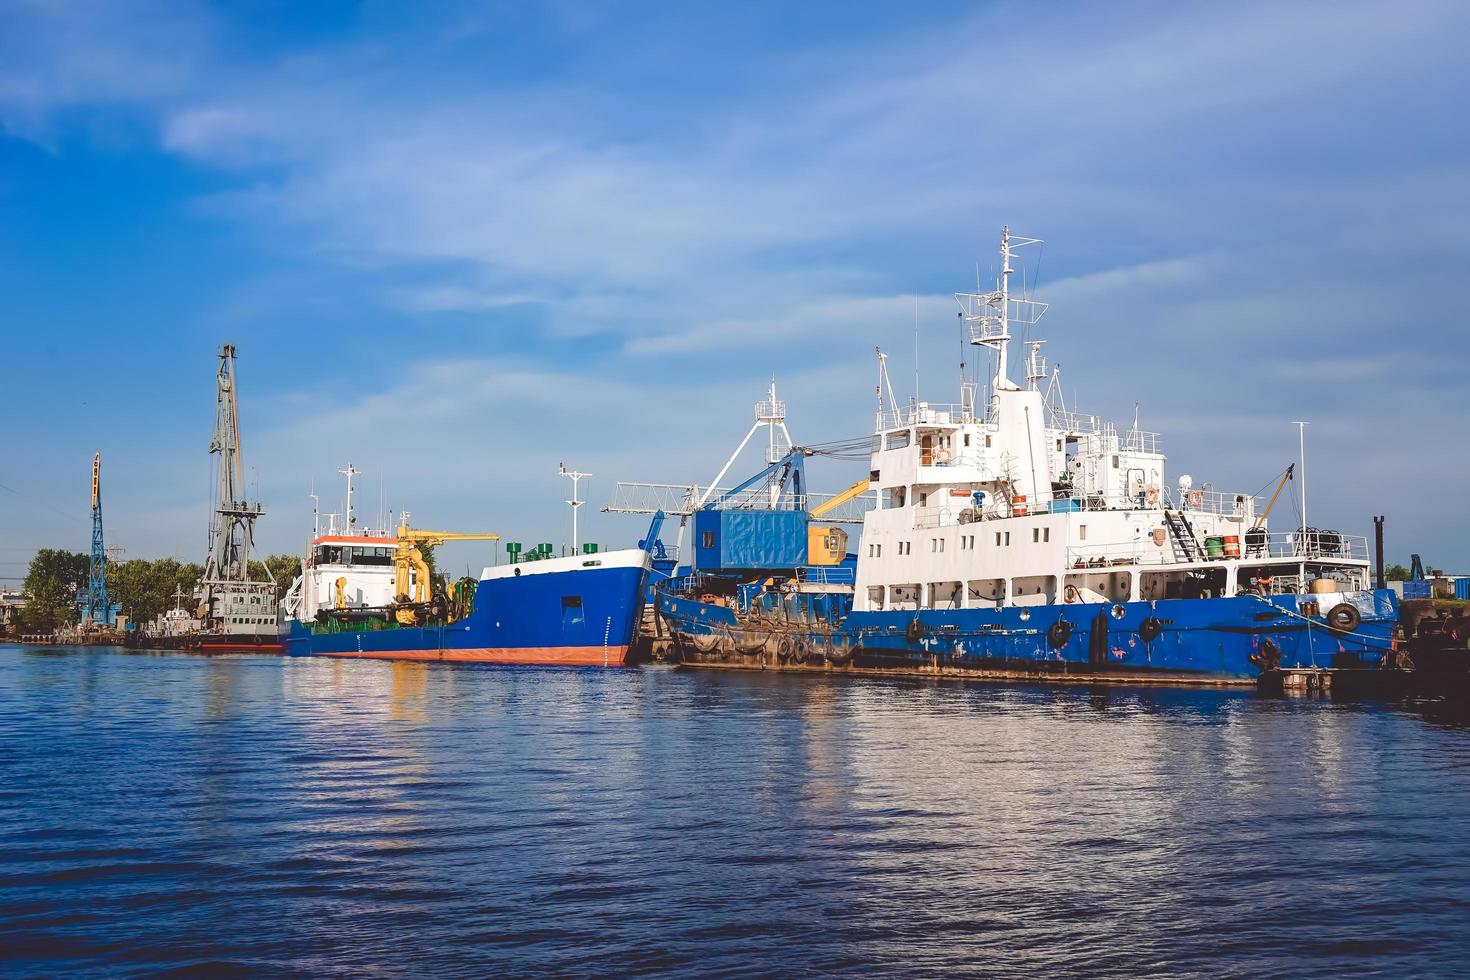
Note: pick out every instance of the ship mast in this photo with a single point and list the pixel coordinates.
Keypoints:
(990, 315)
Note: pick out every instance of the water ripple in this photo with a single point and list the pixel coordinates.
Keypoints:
(257, 816)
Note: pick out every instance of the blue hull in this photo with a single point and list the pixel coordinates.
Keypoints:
(584, 617)
(1197, 640)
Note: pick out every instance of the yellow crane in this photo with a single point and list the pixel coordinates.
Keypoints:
(408, 559)
(1261, 519)
(828, 545)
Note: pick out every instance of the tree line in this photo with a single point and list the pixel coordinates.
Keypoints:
(145, 589)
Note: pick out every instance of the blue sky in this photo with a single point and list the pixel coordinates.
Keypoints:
(459, 243)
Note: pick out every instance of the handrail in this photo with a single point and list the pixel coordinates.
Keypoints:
(1315, 547)
(826, 575)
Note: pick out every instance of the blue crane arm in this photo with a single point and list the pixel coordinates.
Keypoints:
(790, 469)
(651, 543)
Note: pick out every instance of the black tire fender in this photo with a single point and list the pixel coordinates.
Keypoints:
(1344, 618)
(1150, 629)
(1059, 633)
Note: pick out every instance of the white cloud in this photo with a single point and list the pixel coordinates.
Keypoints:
(1248, 204)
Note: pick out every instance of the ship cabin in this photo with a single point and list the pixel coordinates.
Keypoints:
(1028, 504)
(345, 572)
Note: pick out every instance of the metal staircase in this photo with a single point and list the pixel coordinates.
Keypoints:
(1181, 533)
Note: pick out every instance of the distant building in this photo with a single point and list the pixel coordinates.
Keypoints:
(11, 603)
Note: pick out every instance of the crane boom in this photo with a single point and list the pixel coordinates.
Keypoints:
(408, 558)
(1272, 502)
(856, 490)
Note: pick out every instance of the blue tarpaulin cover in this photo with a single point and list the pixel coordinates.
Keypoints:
(750, 539)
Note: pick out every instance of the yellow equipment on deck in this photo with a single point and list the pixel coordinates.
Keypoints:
(409, 565)
(828, 545)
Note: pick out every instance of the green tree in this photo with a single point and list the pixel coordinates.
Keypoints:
(1396, 573)
(51, 588)
(148, 588)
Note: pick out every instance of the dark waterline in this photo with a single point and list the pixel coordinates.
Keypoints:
(268, 816)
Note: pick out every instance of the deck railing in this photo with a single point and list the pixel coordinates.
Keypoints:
(1317, 545)
(924, 413)
(826, 575)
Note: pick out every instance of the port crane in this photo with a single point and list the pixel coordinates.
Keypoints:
(97, 608)
(411, 573)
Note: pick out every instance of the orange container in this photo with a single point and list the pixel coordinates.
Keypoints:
(1232, 546)
(1018, 506)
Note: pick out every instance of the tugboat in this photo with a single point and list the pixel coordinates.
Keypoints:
(1017, 538)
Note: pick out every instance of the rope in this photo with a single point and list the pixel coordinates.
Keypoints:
(1311, 622)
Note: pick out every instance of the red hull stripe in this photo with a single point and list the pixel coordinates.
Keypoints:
(241, 648)
(576, 656)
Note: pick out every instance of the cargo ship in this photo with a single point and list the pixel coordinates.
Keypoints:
(1010, 536)
(374, 595)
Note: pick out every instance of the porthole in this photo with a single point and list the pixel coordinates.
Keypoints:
(1118, 610)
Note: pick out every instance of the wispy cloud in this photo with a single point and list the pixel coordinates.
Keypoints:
(1243, 206)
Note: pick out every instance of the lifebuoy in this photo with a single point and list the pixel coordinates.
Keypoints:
(1070, 594)
(1152, 494)
(1150, 629)
(1195, 497)
(942, 455)
(1344, 617)
(1059, 633)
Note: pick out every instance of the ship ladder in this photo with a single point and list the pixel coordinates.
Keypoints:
(1181, 533)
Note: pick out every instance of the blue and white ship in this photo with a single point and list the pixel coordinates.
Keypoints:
(1014, 537)
(365, 593)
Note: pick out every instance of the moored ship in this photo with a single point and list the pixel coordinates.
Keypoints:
(369, 595)
(235, 613)
(1014, 537)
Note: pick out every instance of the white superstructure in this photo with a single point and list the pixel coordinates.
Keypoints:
(1021, 502)
(345, 573)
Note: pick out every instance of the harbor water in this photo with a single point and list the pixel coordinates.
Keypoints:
(267, 816)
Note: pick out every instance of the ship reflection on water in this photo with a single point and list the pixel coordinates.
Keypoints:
(274, 816)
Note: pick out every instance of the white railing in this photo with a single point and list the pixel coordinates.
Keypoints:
(1139, 441)
(1076, 421)
(930, 517)
(1210, 502)
(924, 413)
(826, 575)
(1314, 546)
(769, 411)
